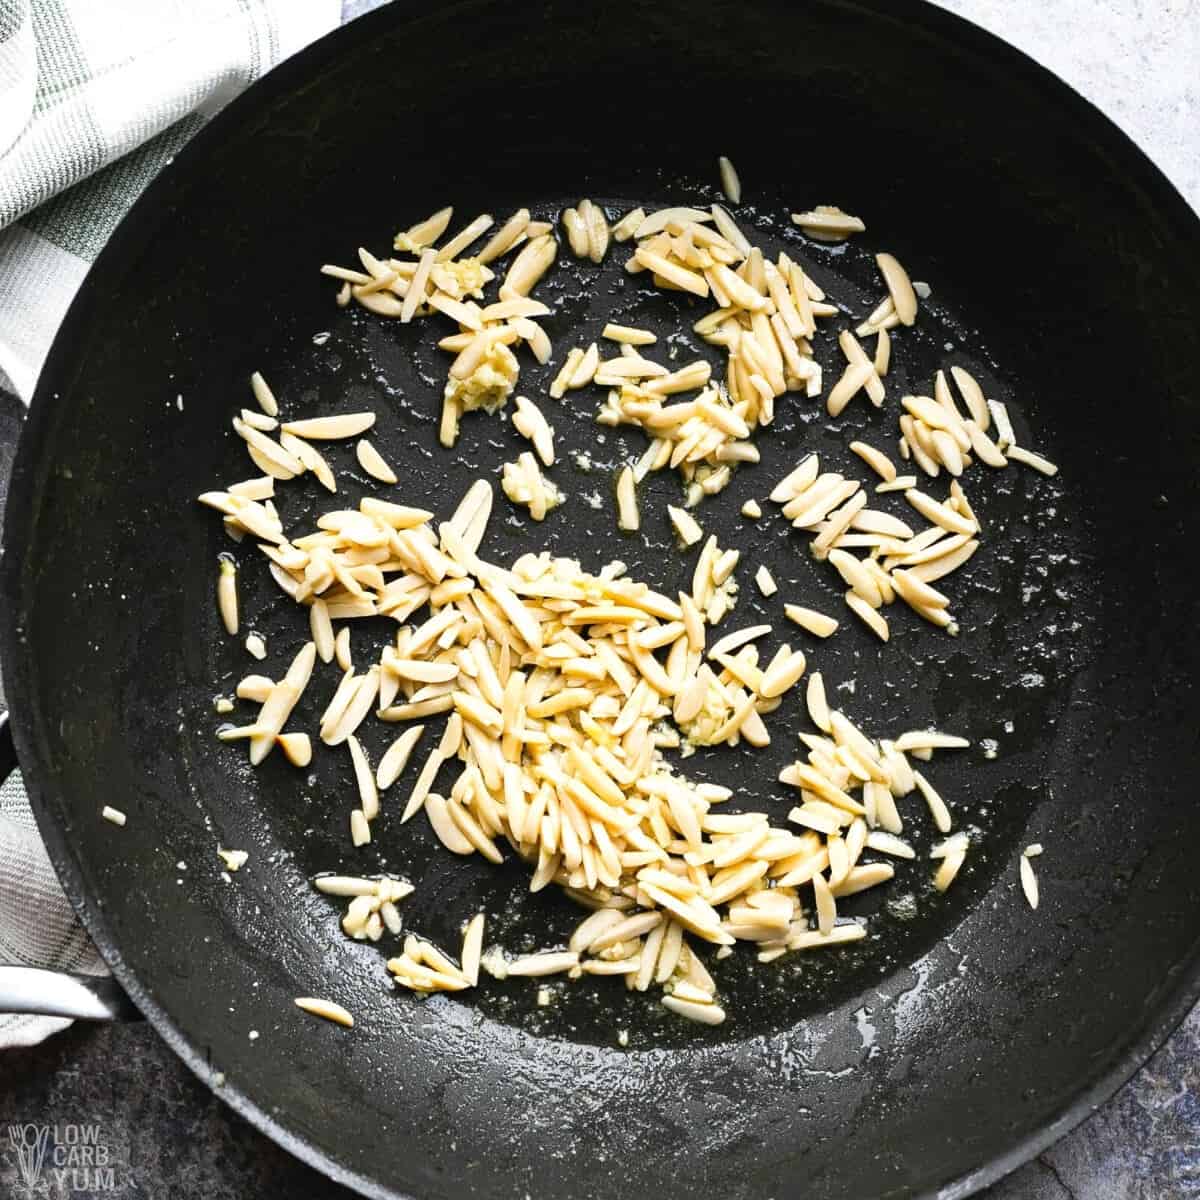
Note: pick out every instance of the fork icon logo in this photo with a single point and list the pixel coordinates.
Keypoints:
(29, 1143)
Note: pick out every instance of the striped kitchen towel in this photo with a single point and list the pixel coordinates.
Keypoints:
(95, 97)
(106, 91)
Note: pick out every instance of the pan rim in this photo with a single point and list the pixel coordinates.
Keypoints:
(1180, 994)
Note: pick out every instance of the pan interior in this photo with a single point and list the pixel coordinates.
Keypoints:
(1053, 279)
(1000, 682)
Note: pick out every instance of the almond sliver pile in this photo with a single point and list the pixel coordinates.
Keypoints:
(561, 690)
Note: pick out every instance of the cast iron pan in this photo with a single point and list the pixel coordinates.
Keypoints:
(968, 1031)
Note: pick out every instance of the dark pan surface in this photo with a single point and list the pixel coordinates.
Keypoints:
(968, 1030)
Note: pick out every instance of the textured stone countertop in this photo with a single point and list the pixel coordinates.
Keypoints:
(168, 1136)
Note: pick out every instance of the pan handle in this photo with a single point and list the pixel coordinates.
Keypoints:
(45, 993)
(59, 994)
(8, 752)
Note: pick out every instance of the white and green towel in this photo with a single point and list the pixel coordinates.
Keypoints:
(95, 97)
(106, 91)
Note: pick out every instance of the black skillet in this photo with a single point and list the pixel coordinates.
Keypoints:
(968, 1032)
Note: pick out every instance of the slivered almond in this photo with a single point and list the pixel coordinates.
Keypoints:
(505, 238)
(876, 460)
(1030, 459)
(680, 276)
(899, 287)
(765, 581)
(797, 481)
(627, 506)
(853, 380)
(296, 747)
(972, 394)
(937, 806)
(816, 623)
(658, 221)
(857, 576)
(783, 675)
(940, 514)
(396, 757)
(263, 395)
(685, 525)
(828, 223)
(368, 793)
(373, 462)
(868, 615)
(334, 428)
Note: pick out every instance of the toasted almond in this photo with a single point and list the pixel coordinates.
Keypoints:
(296, 747)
